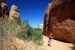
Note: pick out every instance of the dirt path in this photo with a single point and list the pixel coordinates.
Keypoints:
(56, 45)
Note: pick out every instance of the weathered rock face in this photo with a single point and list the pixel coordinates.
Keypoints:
(14, 12)
(60, 19)
(3, 8)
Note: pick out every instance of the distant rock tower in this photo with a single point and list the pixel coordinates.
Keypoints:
(14, 12)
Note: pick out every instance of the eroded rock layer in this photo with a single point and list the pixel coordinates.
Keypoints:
(60, 19)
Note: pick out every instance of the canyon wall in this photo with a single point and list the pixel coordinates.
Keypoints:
(60, 20)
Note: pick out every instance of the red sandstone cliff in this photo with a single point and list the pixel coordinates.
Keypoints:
(60, 19)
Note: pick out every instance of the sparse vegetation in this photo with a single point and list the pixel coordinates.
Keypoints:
(73, 40)
(31, 34)
(17, 28)
(8, 31)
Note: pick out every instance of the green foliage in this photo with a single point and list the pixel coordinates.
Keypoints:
(37, 36)
(19, 28)
(73, 40)
(23, 34)
(30, 33)
(8, 31)
(37, 33)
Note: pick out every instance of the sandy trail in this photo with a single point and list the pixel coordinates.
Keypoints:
(56, 45)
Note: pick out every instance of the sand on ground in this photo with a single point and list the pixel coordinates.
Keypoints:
(55, 45)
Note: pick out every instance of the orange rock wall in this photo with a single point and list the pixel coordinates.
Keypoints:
(60, 20)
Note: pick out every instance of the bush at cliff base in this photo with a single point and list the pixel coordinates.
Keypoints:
(31, 34)
(73, 40)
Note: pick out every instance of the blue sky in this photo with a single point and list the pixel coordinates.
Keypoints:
(33, 10)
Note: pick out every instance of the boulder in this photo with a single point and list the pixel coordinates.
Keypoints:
(60, 20)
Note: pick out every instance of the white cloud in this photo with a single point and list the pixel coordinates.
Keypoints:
(41, 24)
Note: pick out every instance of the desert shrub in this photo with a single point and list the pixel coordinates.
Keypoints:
(30, 34)
(73, 40)
(8, 31)
(25, 30)
(37, 36)
(17, 28)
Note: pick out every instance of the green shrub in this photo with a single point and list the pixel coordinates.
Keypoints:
(8, 31)
(24, 33)
(18, 28)
(73, 40)
(37, 36)
(31, 34)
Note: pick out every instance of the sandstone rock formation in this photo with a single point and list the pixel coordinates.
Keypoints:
(14, 12)
(3, 8)
(60, 19)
